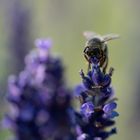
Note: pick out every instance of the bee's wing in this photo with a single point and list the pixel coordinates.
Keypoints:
(89, 35)
(110, 37)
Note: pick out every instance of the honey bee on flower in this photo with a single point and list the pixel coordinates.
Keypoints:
(96, 48)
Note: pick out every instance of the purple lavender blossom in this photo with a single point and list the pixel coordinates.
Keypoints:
(40, 99)
(87, 109)
(97, 104)
(109, 110)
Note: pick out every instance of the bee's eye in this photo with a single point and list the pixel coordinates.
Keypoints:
(86, 50)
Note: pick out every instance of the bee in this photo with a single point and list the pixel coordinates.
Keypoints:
(96, 46)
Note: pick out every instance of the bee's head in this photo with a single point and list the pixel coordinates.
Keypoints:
(94, 46)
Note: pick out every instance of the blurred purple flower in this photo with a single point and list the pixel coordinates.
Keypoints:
(44, 43)
(40, 99)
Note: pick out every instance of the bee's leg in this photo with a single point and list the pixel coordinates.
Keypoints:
(111, 70)
(102, 61)
(89, 65)
(86, 57)
(85, 54)
(105, 65)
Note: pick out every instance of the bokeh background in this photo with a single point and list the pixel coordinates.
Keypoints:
(22, 21)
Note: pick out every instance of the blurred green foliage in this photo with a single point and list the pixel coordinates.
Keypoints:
(65, 21)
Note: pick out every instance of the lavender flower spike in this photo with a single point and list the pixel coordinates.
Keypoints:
(40, 99)
(98, 104)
